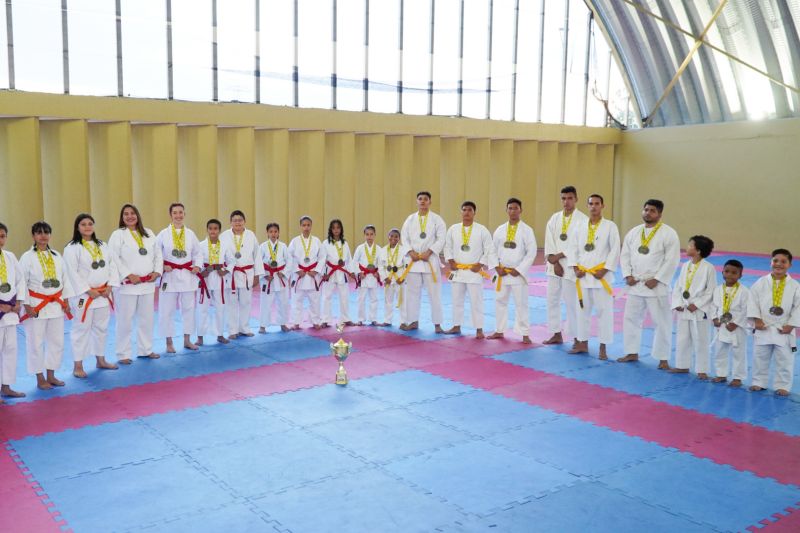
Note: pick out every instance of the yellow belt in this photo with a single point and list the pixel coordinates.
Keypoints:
(400, 287)
(595, 269)
(408, 269)
(507, 270)
(468, 266)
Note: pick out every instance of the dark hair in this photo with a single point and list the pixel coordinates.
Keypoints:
(513, 200)
(782, 251)
(658, 204)
(77, 238)
(3, 227)
(41, 227)
(595, 195)
(214, 221)
(370, 226)
(424, 193)
(237, 212)
(735, 263)
(569, 189)
(469, 203)
(273, 225)
(330, 229)
(703, 244)
(393, 230)
(175, 204)
(306, 217)
(139, 223)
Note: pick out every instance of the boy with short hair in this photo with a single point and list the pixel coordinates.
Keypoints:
(730, 319)
(217, 258)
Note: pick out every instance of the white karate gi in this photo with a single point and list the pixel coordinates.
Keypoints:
(370, 285)
(8, 322)
(134, 300)
(422, 272)
(693, 328)
(481, 250)
(770, 344)
(561, 288)
(520, 258)
(659, 264)
(306, 287)
(44, 334)
(393, 293)
(275, 291)
(218, 289)
(90, 326)
(731, 342)
(337, 282)
(243, 271)
(179, 284)
(595, 296)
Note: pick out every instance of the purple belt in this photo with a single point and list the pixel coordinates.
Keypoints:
(11, 302)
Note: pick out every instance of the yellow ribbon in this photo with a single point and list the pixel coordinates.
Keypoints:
(727, 299)
(178, 238)
(213, 252)
(777, 291)
(3, 268)
(93, 249)
(594, 270)
(468, 266)
(646, 241)
(47, 263)
(507, 270)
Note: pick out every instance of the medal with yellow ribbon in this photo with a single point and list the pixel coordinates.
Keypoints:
(391, 257)
(237, 243)
(644, 249)
(306, 249)
(213, 252)
(565, 222)
(777, 297)
(589, 246)
(511, 233)
(690, 272)
(370, 256)
(94, 251)
(339, 251)
(727, 301)
(423, 223)
(5, 286)
(139, 241)
(465, 237)
(273, 254)
(48, 265)
(178, 241)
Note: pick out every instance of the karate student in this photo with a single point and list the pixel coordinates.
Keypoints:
(423, 232)
(46, 304)
(693, 299)
(275, 288)
(138, 259)
(13, 291)
(468, 250)
(214, 282)
(246, 269)
(337, 258)
(307, 258)
(730, 319)
(392, 264)
(650, 254)
(365, 267)
(774, 306)
(93, 273)
(594, 255)
(515, 246)
(560, 229)
(182, 263)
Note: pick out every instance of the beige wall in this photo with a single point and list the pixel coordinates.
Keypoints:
(738, 183)
(61, 155)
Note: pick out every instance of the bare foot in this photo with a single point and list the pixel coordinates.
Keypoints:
(247, 333)
(284, 329)
(630, 358)
(663, 365)
(359, 323)
(222, 340)
(735, 383)
(235, 336)
(349, 323)
(324, 325)
(79, 372)
(124, 361)
(153, 355)
(756, 388)
(719, 379)
(43, 385)
(702, 375)
(385, 324)
(316, 326)
(455, 330)
(782, 392)
(437, 328)
(555, 339)
(190, 346)
(199, 340)
(526, 340)
(54, 381)
(170, 347)
(296, 327)
(373, 323)
(603, 356)
(580, 347)
(678, 370)
(479, 334)
(262, 330)
(403, 327)
(8, 392)
(497, 335)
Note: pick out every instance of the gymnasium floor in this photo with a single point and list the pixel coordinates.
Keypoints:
(431, 434)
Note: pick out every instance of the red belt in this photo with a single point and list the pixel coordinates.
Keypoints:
(307, 269)
(142, 279)
(272, 271)
(204, 292)
(333, 268)
(182, 266)
(90, 300)
(45, 300)
(243, 270)
(367, 272)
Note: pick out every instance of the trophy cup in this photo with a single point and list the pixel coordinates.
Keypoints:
(340, 350)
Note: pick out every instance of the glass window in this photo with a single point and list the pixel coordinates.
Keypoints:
(38, 50)
(192, 33)
(3, 50)
(576, 64)
(92, 47)
(476, 42)
(553, 54)
(384, 55)
(277, 52)
(144, 48)
(315, 53)
(350, 60)
(236, 50)
(528, 60)
(445, 57)
(416, 56)
(502, 58)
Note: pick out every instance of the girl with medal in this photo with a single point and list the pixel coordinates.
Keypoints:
(774, 307)
(138, 260)
(392, 267)
(46, 304)
(308, 262)
(275, 287)
(336, 255)
(93, 273)
(213, 282)
(365, 268)
(245, 272)
(730, 319)
(693, 299)
(13, 291)
(182, 263)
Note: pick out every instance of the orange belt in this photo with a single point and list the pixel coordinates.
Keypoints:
(45, 300)
(90, 300)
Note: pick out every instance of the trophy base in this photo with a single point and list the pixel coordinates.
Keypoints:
(341, 378)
